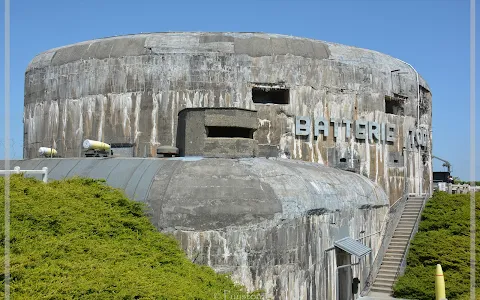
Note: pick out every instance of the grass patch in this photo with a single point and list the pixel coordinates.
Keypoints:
(443, 238)
(80, 239)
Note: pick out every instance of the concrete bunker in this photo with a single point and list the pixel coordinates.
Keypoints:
(267, 222)
(130, 89)
(217, 132)
(209, 97)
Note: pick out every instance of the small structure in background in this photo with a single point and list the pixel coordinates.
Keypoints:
(217, 132)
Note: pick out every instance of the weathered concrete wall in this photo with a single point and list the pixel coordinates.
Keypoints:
(130, 89)
(268, 222)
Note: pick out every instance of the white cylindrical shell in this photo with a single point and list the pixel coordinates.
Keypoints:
(96, 145)
(47, 151)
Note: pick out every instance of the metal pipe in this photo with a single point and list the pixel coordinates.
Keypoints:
(365, 236)
(325, 268)
(418, 121)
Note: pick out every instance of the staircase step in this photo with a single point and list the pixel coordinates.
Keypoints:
(381, 289)
(383, 285)
(396, 248)
(396, 238)
(393, 255)
(413, 205)
(402, 235)
(405, 235)
(398, 244)
(393, 262)
(391, 266)
(384, 280)
(405, 223)
(387, 271)
(399, 239)
(392, 258)
(410, 223)
(399, 250)
(402, 232)
(389, 276)
(405, 231)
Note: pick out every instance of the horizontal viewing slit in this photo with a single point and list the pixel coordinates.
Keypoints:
(270, 95)
(394, 106)
(229, 132)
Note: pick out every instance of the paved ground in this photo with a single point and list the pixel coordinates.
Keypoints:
(378, 296)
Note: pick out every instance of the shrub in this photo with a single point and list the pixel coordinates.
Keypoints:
(443, 238)
(80, 239)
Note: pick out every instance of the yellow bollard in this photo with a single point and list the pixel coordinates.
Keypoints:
(439, 284)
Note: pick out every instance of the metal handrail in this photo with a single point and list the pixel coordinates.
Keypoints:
(403, 261)
(17, 170)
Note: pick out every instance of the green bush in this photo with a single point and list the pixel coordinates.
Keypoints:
(80, 239)
(443, 238)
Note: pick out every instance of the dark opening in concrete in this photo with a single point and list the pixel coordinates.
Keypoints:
(229, 132)
(270, 95)
(394, 105)
(343, 159)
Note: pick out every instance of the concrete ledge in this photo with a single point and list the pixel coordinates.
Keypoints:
(230, 147)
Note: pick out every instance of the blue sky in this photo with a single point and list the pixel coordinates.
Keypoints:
(432, 35)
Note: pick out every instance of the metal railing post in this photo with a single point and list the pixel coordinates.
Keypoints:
(45, 174)
(17, 170)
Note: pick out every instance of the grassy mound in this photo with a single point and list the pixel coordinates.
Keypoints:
(80, 239)
(443, 238)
